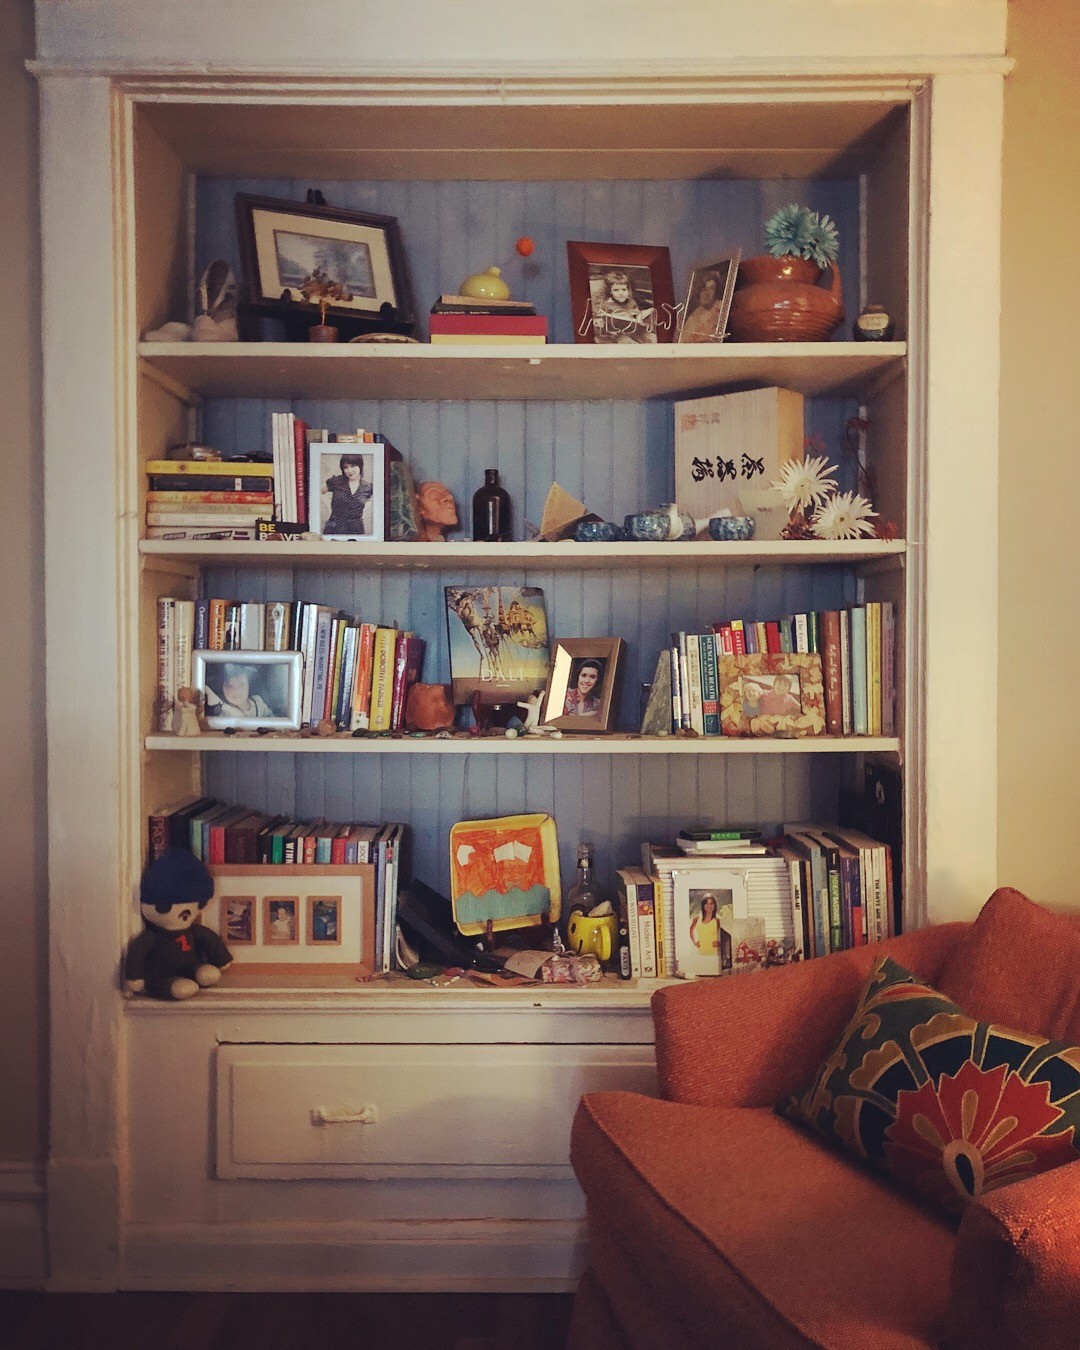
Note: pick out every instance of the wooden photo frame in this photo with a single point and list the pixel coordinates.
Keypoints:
(283, 243)
(581, 688)
(704, 316)
(303, 941)
(621, 293)
(772, 695)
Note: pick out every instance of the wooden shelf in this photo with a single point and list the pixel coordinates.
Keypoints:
(619, 744)
(464, 554)
(553, 372)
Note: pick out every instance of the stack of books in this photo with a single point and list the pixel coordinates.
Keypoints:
(207, 499)
(219, 833)
(356, 675)
(812, 890)
(857, 646)
(462, 319)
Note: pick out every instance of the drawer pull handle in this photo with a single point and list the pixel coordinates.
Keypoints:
(329, 1115)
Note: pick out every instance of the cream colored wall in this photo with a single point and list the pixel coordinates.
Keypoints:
(1039, 661)
(22, 726)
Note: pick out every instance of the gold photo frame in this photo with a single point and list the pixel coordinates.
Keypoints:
(582, 685)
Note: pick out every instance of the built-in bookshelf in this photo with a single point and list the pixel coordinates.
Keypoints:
(139, 179)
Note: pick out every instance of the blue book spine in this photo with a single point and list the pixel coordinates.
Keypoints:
(201, 636)
(710, 685)
(858, 670)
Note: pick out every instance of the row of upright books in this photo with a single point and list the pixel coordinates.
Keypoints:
(355, 676)
(716, 905)
(208, 499)
(218, 833)
(857, 650)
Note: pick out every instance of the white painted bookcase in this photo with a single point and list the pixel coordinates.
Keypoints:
(182, 1149)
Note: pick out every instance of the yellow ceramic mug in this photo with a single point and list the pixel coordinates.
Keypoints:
(592, 935)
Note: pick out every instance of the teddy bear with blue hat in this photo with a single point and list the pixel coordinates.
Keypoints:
(175, 955)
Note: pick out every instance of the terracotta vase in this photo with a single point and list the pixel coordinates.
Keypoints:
(322, 332)
(782, 300)
(429, 707)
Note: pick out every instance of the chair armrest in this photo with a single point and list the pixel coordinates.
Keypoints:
(749, 1040)
(1016, 1267)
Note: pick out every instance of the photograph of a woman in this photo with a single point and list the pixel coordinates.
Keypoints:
(708, 302)
(583, 697)
(347, 492)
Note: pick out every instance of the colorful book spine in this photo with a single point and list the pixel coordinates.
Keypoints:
(693, 683)
(832, 673)
(382, 680)
(888, 669)
(859, 723)
(361, 705)
(185, 642)
(626, 891)
(408, 658)
(710, 685)
(873, 667)
(166, 663)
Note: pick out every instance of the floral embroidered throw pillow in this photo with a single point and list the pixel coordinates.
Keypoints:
(946, 1106)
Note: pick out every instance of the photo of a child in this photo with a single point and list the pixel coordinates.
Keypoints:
(622, 304)
(282, 926)
(771, 696)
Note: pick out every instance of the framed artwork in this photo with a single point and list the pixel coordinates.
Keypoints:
(581, 688)
(708, 301)
(621, 293)
(504, 872)
(296, 919)
(249, 689)
(348, 492)
(707, 902)
(772, 695)
(498, 642)
(238, 919)
(284, 244)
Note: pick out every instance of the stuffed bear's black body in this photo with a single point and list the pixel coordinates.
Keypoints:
(159, 957)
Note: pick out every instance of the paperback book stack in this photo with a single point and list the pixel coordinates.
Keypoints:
(846, 880)
(857, 647)
(207, 499)
(463, 319)
(356, 676)
(219, 833)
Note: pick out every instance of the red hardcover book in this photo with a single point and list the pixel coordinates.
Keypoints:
(831, 670)
(773, 644)
(300, 458)
(408, 658)
(495, 325)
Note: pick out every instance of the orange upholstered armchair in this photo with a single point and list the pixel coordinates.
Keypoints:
(715, 1222)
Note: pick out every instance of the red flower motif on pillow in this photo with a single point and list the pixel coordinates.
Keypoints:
(972, 1132)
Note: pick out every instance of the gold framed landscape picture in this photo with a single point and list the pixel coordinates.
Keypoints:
(779, 694)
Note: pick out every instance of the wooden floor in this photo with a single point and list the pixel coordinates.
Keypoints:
(164, 1321)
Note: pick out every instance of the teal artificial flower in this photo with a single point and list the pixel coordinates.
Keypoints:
(798, 231)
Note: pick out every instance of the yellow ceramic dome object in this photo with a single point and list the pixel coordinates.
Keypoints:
(487, 285)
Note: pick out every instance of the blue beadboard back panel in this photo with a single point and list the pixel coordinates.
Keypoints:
(617, 456)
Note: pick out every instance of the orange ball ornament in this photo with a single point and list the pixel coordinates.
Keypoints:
(525, 246)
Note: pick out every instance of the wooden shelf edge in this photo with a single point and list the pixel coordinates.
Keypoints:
(618, 744)
(693, 553)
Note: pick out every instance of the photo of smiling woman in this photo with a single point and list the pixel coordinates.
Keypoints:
(586, 687)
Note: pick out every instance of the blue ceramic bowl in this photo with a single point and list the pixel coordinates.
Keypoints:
(732, 527)
(651, 526)
(598, 532)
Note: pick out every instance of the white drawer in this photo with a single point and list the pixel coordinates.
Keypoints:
(295, 1111)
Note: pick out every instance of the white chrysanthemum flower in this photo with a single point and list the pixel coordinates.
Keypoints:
(804, 483)
(845, 516)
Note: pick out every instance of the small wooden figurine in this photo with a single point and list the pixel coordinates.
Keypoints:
(188, 701)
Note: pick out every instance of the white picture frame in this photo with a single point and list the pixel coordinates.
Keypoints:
(341, 511)
(703, 942)
(271, 693)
